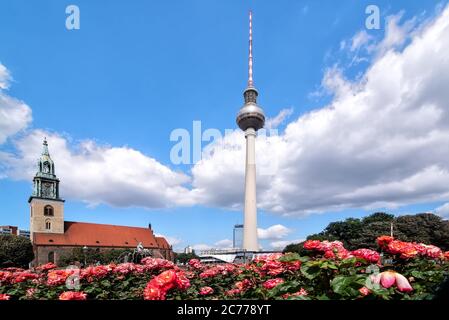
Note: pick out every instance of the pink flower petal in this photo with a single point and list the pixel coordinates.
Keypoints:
(387, 279)
(402, 283)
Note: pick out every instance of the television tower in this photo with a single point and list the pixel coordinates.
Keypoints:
(250, 119)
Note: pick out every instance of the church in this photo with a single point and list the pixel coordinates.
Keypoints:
(53, 237)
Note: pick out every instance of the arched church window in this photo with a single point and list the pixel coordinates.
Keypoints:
(48, 211)
(51, 256)
(47, 225)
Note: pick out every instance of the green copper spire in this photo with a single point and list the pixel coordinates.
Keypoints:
(45, 148)
(46, 184)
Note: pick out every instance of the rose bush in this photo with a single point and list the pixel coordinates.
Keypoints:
(399, 270)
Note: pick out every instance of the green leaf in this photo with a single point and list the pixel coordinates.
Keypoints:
(290, 257)
(105, 283)
(310, 271)
(348, 285)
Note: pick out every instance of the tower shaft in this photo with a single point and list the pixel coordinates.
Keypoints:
(250, 242)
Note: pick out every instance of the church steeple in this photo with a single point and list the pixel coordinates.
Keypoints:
(46, 184)
(46, 207)
(45, 165)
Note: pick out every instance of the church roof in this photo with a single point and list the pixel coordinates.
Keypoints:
(101, 235)
(162, 243)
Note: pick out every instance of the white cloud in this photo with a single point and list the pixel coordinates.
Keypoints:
(173, 241)
(223, 244)
(201, 246)
(15, 115)
(360, 39)
(380, 142)
(276, 231)
(272, 123)
(5, 77)
(396, 34)
(119, 176)
(443, 210)
(281, 244)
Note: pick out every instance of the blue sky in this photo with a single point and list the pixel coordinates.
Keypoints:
(136, 71)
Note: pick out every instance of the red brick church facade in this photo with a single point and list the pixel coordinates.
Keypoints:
(52, 237)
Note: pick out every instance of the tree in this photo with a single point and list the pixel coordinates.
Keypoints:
(296, 247)
(424, 227)
(185, 257)
(15, 251)
(362, 233)
(91, 256)
(378, 217)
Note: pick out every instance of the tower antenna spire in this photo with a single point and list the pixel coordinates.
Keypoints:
(250, 57)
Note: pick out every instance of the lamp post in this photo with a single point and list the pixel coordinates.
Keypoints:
(85, 255)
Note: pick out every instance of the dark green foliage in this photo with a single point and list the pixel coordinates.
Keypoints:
(92, 256)
(185, 257)
(295, 247)
(15, 251)
(362, 233)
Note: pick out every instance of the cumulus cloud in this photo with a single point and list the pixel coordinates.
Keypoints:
(223, 244)
(396, 33)
(277, 231)
(360, 39)
(15, 115)
(173, 241)
(274, 122)
(201, 246)
(119, 176)
(380, 141)
(5, 77)
(281, 244)
(443, 211)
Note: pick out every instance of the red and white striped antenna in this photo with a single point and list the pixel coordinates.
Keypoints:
(250, 58)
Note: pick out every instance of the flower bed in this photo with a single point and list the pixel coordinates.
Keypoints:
(400, 270)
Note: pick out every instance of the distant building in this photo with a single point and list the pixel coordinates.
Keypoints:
(53, 237)
(237, 236)
(24, 233)
(214, 256)
(14, 231)
(188, 250)
(8, 230)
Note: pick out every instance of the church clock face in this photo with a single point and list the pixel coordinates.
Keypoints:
(47, 190)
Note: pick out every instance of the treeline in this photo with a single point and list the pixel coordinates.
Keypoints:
(361, 233)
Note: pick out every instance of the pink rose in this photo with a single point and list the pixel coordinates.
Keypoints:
(387, 279)
(364, 291)
(72, 295)
(402, 283)
(152, 292)
(4, 296)
(270, 284)
(206, 291)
